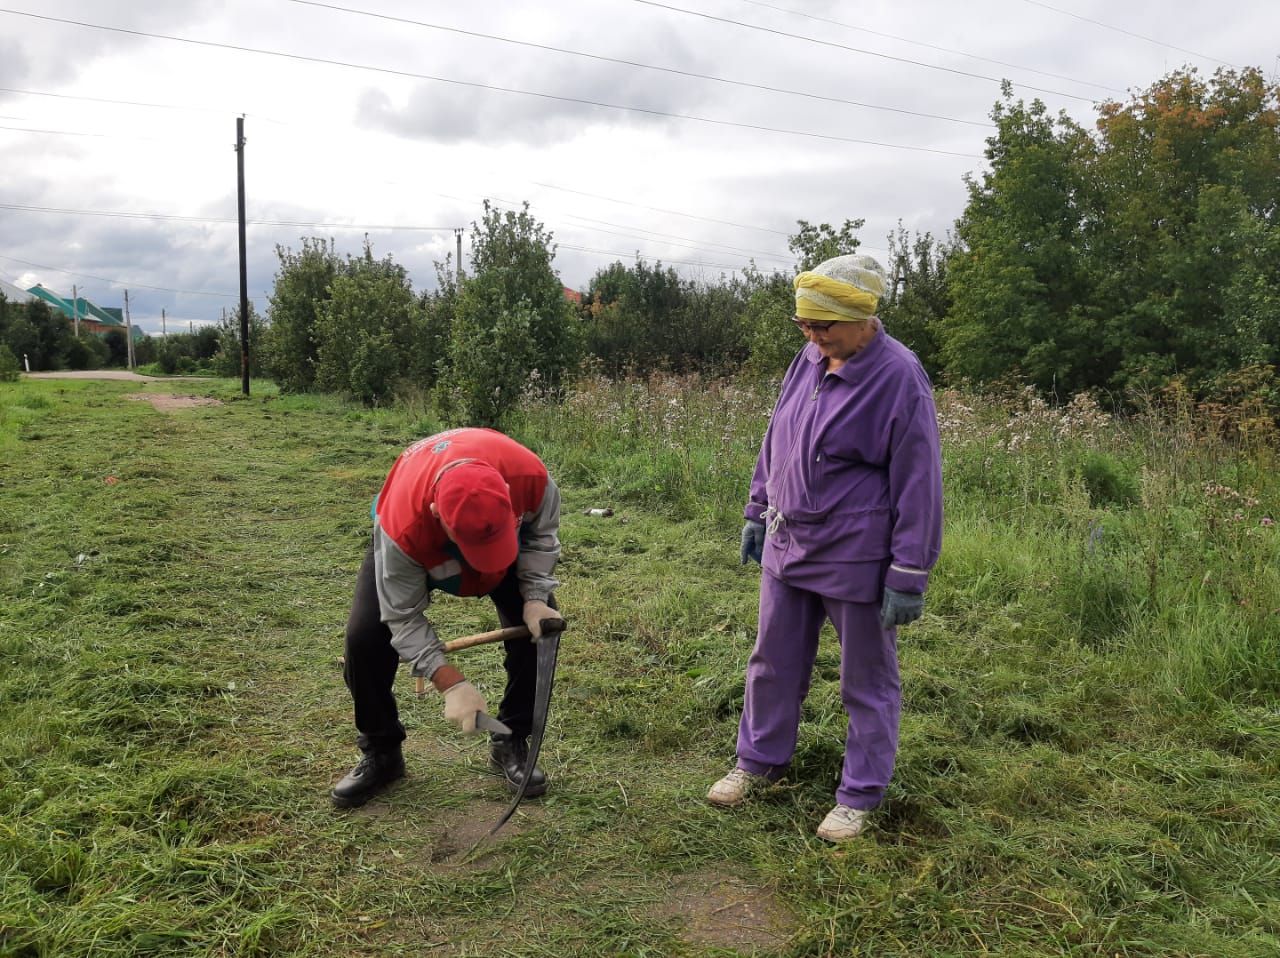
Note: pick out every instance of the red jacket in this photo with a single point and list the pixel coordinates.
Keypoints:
(404, 504)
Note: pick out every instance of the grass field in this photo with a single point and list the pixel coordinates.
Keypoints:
(1090, 743)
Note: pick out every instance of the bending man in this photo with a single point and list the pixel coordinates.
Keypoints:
(470, 512)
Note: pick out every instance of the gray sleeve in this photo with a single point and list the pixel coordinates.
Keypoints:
(540, 546)
(403, 597)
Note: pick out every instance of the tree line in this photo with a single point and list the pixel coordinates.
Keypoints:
(1142, 252)
(1124, 258)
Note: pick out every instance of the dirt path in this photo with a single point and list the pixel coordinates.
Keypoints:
(124, 374)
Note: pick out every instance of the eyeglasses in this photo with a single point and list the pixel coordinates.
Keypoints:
(807, 328)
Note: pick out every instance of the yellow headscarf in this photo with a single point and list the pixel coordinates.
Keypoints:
(843, 289)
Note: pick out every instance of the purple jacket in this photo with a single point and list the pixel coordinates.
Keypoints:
(849, 479)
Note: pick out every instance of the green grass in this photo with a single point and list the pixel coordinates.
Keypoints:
(1089, 741)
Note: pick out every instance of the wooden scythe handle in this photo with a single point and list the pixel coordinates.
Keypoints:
(480, 638)
(484, 638)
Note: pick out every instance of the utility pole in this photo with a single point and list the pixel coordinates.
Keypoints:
(457, 234)
(244, 270)
(164, 330)
(75, 308)
(128, 332)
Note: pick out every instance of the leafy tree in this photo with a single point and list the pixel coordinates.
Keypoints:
(919, 296)
(429, 362)
(9, 368)
(493, 361)
(511, 317)
(367, 329)
(227, 361)
(1188, 173)
(512, 252)
(710, 334)
(817, 244)
(1019, 283)
(36, 331)
(634, 317)
(86, 352)
(772, 339)
(1123, 259)
(117, 347)
(290, 345)
(144, 350)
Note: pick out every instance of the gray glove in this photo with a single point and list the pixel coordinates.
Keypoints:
(461, 703)
(899, 608)
(535, 613)
(752, 542)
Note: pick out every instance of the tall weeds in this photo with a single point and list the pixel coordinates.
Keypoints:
(1148, 537)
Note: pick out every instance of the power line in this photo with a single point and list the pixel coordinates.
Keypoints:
(638, 256)
(486, 86)
(115, 282)
(170, 217)
(99, 99)
(931, 46)
(550, 186)
(135, 215)
(842, 46)
(24, 129)
(686, 241)
(634, 63)
(659, 209)
(1128, 33)
(671, 236)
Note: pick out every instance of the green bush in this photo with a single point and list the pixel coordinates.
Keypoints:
(1108, 481)
(8, 365)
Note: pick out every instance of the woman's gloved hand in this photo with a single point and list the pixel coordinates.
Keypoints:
(461, 703)
(535, 613)
(899, 608)
(752, 542)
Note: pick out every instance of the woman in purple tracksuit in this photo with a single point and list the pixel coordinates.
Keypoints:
(845, 517)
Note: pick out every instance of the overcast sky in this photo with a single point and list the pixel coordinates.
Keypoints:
(361, 115)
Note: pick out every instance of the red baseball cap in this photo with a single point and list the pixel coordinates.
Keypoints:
(474, 504)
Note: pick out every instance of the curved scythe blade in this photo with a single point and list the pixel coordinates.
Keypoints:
(548, 650)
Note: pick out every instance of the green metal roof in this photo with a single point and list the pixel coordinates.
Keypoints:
(91, 310)
(86, 309)
(53, 299)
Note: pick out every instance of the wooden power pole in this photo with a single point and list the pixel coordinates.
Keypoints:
(128, 333)
(244, 270)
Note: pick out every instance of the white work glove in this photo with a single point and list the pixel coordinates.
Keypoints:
(461, 703)
(535, 610)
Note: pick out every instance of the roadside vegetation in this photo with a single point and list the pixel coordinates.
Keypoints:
(1090, 737)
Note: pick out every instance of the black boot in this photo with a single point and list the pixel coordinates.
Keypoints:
(374, 772)
(509, 754)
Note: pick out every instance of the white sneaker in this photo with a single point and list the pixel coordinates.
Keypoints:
(842, 823)
(735, 788)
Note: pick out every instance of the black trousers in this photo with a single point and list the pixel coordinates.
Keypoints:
(371, 664)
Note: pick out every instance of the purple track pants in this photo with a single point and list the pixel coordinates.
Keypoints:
(779, 673)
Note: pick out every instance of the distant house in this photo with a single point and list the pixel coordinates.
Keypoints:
(93, 317)
(572, 295)
(15, 294)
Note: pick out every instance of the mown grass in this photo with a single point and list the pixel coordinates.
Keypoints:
(1089, 744)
